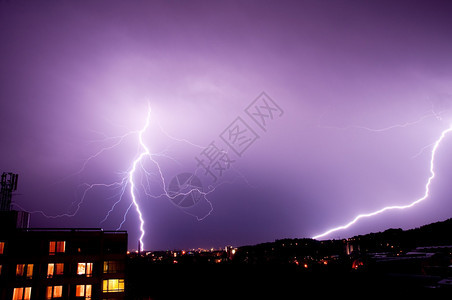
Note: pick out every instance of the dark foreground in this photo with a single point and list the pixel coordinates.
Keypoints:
(394, 263)
(270, 282)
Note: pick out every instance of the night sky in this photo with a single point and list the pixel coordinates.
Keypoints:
(358, 91)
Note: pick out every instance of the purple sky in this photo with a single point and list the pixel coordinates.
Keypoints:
(75, 73)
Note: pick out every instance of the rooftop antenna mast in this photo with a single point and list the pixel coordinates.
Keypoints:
(8, 186)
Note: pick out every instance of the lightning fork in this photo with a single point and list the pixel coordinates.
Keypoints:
(400, 207)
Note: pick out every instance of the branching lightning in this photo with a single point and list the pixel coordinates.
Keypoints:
(129, 182)
(400, 207)
(143, 154)
(432, 113)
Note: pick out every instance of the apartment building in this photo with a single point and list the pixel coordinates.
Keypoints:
(74, 263)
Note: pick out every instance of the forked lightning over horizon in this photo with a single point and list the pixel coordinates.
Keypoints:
(425, 196)
(139, 160)
(128, 181)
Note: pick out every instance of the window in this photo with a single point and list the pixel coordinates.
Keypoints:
(112, 266)
(55, 291)
(29, 271)
(22, 293)
(55, 269)
(83, 291)
(50, 270)
(0, 269)
(113, 285)
(20, 270)
(59, 269)
(61, 247)
(57, 247)
(52, 248)
(24, 270)
(85, 269)
(2, 247)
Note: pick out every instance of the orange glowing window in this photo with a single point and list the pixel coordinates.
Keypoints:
(54, 292)
(61, 247)
(85, 269)
(29, 271)
(50, 270)
(54, 269)
(83, 291)
(22, 293)
(20, 269)
(59, 269)
(57, 247)
(112, 266)
(113, 285)
(52, 248)
(2, 247)
(24, 270)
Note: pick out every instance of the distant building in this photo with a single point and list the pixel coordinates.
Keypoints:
(230, 252)
(61, 263)
(352, 247)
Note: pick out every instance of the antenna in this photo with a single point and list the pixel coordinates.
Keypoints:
(8, 186)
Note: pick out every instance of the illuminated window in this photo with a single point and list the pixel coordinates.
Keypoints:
(29, 271)
(2, 247)
(83, 291)
(59, 269)
(0, 269)
(61, 247)
(57, 247)
(52, 248)
(20, 270)
(112, 266)
(22, 293)
(85, 269)
(24, 270)
(113, 285)
(50, 270)
(55, 269)
(55, 291)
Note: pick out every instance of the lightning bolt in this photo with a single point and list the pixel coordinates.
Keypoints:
(400, 207)
(129, 185)
(432, 113)
(145, 153)
(137, 164)
(128, 180)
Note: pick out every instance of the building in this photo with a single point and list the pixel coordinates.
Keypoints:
(352, 247)
(62, 264)
(43, 263)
